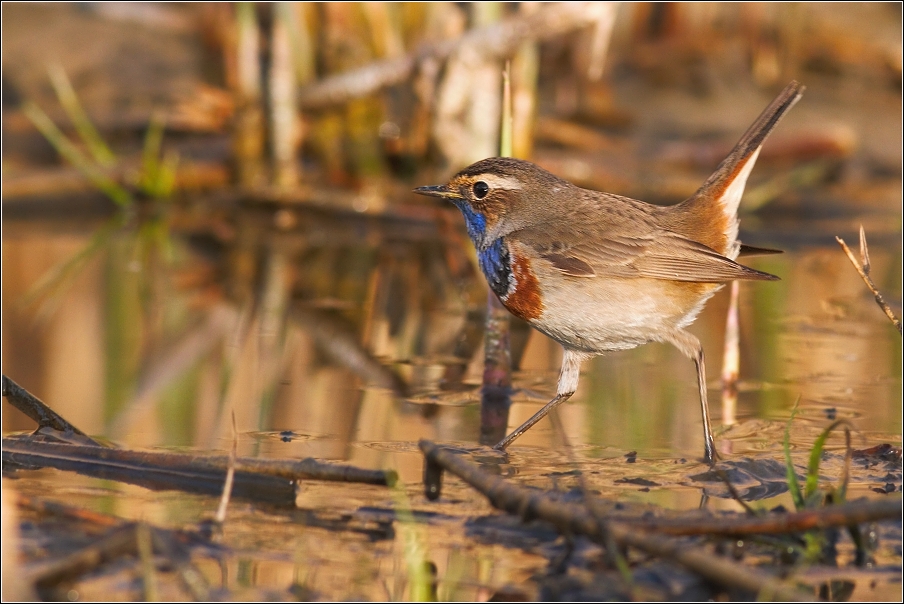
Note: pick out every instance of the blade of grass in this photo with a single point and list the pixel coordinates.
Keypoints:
(846, 475)
(793, 484)
(57, 277)
(815, 457)
(157, 176)
(148, 571)
(73, 155)
(73, 108)
(421, 588)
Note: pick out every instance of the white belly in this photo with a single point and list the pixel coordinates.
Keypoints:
(600, 314)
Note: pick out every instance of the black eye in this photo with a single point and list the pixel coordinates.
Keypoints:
(481, 189)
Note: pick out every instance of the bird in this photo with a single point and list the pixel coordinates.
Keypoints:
(599, 272)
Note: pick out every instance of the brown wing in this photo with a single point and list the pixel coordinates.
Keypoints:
(676, 258)
(664, 256)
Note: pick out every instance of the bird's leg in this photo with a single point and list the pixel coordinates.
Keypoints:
(709, 447)
(690, 346)
(568, 383)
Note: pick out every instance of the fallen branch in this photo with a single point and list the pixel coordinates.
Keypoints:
(36, 409)
(496, 41)
(270, 480)
(846, 514)
(576, 519)
(305, 469)
(164, 470)
(863, 267)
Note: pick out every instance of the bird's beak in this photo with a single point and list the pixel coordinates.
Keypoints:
(438, 191)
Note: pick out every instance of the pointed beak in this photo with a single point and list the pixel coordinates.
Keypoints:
(438, 191)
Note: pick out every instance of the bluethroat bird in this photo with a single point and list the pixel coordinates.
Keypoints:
(598, 272)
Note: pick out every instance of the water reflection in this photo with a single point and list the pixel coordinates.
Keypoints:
(349, 338)
(363, 334)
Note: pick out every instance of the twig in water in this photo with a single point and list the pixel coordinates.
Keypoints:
(846, 514)
(863, 267)
(33, 407)
(270, 480)
(230, 475)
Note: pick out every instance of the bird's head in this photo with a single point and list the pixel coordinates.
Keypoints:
(497, 196)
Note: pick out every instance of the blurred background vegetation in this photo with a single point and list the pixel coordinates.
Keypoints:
(207, 210)
(263, 154)
(604, 82)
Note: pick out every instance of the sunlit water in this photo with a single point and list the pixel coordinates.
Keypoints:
(153, 344)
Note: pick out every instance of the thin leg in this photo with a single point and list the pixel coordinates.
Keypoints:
(568, 383)
(690, 346)
(709, 448)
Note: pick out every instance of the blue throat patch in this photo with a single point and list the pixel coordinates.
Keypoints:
(475, 221)
(496, 266)
(493, 259)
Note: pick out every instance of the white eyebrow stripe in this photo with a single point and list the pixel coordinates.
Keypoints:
(500, 182)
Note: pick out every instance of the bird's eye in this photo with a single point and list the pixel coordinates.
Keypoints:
(481, 189)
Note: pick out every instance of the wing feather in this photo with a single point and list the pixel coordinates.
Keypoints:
(667, 256)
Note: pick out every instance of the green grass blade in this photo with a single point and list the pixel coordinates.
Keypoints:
(74, 156)
(158, 176)
(150, 153)
(816, 456)
(421, 588)
(841, 493)
(793, 485)
(73, 108)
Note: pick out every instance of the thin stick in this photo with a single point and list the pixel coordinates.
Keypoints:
(846, 514)
(36, 409)
(863, 267)
(230, 475)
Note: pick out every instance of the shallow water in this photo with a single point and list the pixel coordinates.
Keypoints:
(155, 342)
